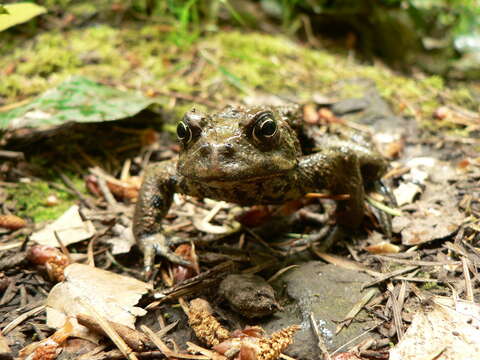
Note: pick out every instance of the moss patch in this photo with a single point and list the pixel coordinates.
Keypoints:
(227, 66)
(31, 200)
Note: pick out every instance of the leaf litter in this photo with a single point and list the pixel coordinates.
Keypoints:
(435, 243)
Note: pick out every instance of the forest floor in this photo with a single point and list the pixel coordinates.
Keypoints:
(83, 176)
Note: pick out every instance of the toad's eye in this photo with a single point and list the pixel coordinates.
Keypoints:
(184, 133)
(265, 127)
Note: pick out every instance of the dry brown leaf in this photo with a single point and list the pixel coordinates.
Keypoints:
(127, 189)
(434, 216)
(112, 295)
(69, 227)
(442, 329)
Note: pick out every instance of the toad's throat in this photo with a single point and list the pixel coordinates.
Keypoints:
(219, 180)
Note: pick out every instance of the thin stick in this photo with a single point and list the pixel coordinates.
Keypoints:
(63, 247)
(389, 275)
(72, 187)
(383, 207)
(321, 343)
(397, 317)
(109, 330)
(15, 322)
(468, 280)
(164, 348)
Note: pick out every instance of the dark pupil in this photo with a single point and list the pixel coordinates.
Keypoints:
(268, 128)
(181, 131)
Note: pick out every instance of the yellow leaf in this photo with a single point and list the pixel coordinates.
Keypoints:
(19, 13)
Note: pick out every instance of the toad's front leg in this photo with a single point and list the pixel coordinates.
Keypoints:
(155, 197)
(340, 173)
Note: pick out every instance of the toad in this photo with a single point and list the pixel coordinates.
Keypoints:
(253, 155)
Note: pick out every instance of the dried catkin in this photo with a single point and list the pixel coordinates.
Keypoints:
(271, 348)
(204, 324)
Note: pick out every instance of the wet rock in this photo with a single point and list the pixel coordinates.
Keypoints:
(370, 109)
(327, 291)
(249, 295)
(350, 105)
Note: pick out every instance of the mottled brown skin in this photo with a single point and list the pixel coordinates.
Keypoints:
(249, 295)
(253, 155)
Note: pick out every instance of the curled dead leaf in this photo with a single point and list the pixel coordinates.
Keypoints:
(383, 247)
(12, 222)
(181, 273)
(51, 258)
(310, 114)
(49, 348)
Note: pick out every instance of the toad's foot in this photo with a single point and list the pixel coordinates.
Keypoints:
(383, 217)
(329, 237)
(154, 244)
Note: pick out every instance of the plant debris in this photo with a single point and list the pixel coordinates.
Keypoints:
(247, 344)
(112, 295)
(67, 229)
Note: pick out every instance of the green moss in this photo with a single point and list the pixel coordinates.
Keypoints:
(31, 201)
(233, 65)
(430, 286)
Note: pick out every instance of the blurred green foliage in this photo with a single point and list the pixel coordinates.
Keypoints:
(430, 35)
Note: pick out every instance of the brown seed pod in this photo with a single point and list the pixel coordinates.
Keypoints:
(12, 222)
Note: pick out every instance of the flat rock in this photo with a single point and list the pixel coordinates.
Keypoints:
(327, 291)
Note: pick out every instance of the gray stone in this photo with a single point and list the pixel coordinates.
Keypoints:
(350, 105)
(327, 291)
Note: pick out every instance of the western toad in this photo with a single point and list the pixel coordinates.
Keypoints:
(253, 155)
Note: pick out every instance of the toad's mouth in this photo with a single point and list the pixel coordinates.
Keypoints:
(233, 179)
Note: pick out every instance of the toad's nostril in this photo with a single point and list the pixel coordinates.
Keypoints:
(205, 151)
(226, 150)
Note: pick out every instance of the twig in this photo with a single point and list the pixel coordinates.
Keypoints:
(397, 311)
(468, 280)
(207, 354)
(383, 207)
(355, 310)
(13, 155)
(320, 343)
(201, 281)
(109, 330)
(107, 194)
(327, 196)
(63, 247)
(72, 187)
(280, 272)
(389, 275)
(355, 338)
(417, 262)
(15, 322)
(164, 348)
(346, 263)
(136, 340)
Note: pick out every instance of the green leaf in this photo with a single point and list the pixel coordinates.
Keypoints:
(75, 100)
(18, 13)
